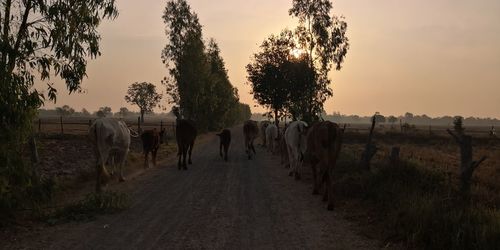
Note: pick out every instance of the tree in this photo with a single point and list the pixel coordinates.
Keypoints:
(266, 73)
(392, 119)
(39, 39)
(379, 118)
(143, 95)
(197, 81)
(85, 112)
(184, 57)
(323, 38)
(124, 112)
(104, 112)
(458, 124)
(65, 110)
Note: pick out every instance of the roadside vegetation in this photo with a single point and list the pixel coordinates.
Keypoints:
(92, 205)
(418, 203)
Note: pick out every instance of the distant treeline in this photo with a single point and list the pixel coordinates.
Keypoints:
(419, 120)
(67, 111)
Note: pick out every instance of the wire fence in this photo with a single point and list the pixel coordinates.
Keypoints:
(80, 125)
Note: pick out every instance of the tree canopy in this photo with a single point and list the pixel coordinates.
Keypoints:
(143, 95)
(197, 81)
(290, 73)
(39, 40)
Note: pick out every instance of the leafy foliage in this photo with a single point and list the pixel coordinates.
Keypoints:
(143, 95)
(267, 72)
(290, 74)
(65, 110)
(39, 39)
(198, 82)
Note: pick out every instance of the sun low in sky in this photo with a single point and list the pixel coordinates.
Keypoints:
(426, 57)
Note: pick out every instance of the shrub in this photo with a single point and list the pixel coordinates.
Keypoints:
(91, 206)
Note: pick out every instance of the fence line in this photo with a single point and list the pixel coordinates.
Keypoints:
(62, 126)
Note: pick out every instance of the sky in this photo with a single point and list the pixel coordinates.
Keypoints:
(438, 57)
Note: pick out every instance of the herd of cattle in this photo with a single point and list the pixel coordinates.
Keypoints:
(318, 145)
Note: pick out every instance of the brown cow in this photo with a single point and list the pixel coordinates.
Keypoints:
(151, 141)
(225, 140)
(251, 131)
(324, 141)
(185, 133)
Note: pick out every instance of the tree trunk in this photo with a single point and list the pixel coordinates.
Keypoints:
(370, 149)
(142, 116)
(467, 164)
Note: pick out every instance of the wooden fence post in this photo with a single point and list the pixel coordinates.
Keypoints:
(90, 123)
(62, 127)
(139, 124)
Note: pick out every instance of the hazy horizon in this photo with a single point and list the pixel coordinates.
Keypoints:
(436, 58)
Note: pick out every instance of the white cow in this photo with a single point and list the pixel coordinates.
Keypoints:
(296, 143)
(111, 140)
(272, 137)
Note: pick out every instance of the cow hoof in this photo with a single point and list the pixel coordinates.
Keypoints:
(297, 176)
(121, 179)
(185, 168)
(290, 174)
(330, 207)
(189, 162)
(287, 166)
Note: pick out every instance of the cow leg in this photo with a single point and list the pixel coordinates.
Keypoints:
(184, 156)
(220, 149)
(226, 148)
(179, 154)
(190, 151)
(291, 160)
(315, 178)
(324, 183)
(146, 160)
(123, 159)
(153, 155)
(329, 187)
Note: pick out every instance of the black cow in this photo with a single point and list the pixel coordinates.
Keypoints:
(151, 141)
(225, 140)
(185, 133)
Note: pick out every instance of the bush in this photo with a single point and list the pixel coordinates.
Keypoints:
(91, 206)
(421, 208)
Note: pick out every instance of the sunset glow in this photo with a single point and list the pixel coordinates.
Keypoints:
(406, 56)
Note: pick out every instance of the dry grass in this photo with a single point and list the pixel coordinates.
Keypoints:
(418, 203)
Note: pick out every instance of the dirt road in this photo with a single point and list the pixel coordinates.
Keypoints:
(240, 204)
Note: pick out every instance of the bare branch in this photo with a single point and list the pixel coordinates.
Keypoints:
(454, 136)
(476, 164)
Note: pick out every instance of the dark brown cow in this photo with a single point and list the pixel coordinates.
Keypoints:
(225, 140)
(324, 141)
(185, 133)
(151, 140)
(250, 131)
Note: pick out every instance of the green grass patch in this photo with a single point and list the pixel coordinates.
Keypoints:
(90, 207)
